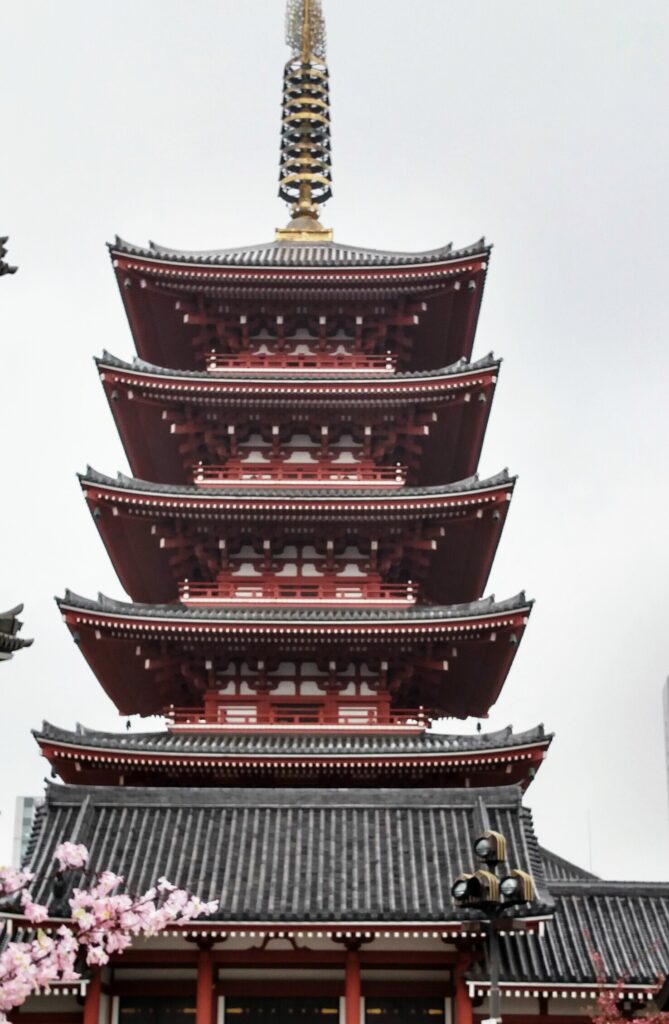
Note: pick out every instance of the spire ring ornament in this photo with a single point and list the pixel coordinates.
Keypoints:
(305, 176)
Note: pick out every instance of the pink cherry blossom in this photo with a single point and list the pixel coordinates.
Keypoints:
(103, 922)
(71, 855)
(12, 880)
(35, 912)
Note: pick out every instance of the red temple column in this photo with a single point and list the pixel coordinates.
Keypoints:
(352, 987)
(206, 1000)
(463, 1010)
(93, 998)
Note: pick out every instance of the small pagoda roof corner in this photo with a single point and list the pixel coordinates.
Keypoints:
(10, 627)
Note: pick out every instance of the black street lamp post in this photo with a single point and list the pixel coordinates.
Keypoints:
(485, 892)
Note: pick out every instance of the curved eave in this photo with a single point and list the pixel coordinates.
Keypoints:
(187, 384)
(181, 500)
(288, 744)
(149, 657)
(453, 405)
(302, 261)
(420, 620)
(157, 284)
(461, 526)
(501, 755)
(517, 763)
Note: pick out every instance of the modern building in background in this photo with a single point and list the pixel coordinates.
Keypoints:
(305, 543)
(665, 708)
(24, 816)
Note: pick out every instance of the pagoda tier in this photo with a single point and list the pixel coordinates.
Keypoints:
(96, 758)
(422, 308)
(253, 430)
(345, 669)
(437, 543)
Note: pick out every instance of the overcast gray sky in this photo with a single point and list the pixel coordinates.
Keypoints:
(542, 125)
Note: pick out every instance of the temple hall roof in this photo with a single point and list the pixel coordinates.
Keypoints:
(292, 855)
(627, 923)
(298, 254)
(560, 870)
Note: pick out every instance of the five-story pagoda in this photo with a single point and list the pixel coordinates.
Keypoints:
(305, 544)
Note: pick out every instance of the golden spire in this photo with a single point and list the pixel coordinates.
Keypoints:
(305, 178)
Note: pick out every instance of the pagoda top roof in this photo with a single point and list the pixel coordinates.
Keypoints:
(413, 614)
(314, 494)
(301, 830)
(290, 255)
(295, 744)
(370, 380)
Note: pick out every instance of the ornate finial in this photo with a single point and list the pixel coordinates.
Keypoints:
(305, 177)
(305, 29)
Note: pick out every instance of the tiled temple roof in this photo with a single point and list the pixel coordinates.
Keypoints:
(294, 744)
(299, 254)
(416, 613)
(627, 923)
(137, 365)
(472, 483)
(282, 855)
(560, 870)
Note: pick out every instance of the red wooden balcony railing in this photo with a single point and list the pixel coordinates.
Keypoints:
(321, 474)
(296, 362)
(250, 717)
(304, 591)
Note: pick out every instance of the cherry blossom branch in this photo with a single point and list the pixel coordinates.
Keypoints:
(103, 922)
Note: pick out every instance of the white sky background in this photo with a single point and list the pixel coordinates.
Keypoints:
(542, 125)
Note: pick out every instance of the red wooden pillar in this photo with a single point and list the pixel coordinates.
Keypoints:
(463, 1010)
(352, 987)
(206, 1000)
(93, 998)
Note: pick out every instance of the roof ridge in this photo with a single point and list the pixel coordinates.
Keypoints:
(607, 887)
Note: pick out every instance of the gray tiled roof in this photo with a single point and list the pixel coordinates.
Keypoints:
(560, 870)
(281, 855)
(137, 365)
(627, 923)
(294, 744)
(415, 613)
(299, 254)
(472, 483)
